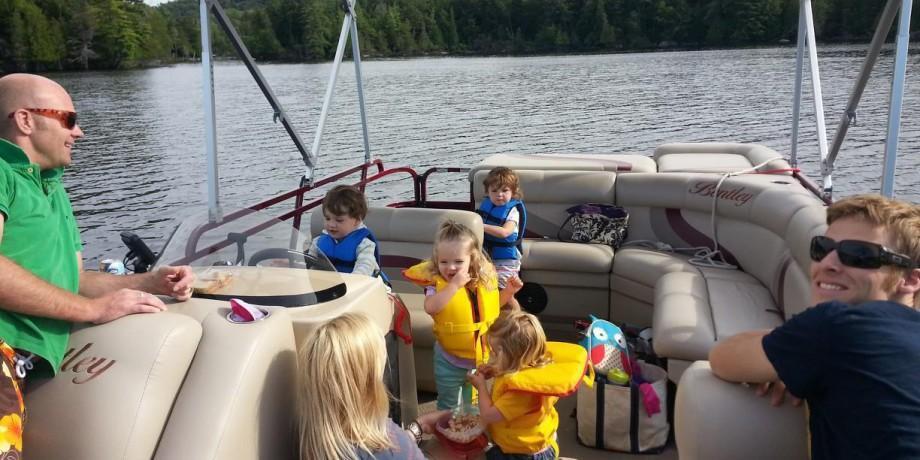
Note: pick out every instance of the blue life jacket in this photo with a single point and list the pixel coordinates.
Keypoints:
(502, 248)
(343, 254)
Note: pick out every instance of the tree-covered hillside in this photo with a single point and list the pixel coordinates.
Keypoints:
(107, 34)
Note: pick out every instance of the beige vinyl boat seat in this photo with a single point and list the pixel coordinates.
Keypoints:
(405, 236)
(718, 420)
(575, 276)
(716, 157)
(764, 225)
(617, 163)
(169, 385)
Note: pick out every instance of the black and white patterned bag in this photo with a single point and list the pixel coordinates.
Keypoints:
(596, 223)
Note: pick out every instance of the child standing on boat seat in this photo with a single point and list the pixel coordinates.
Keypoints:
(346, 241)
(504, 219)
(530, 375)
(461, 295)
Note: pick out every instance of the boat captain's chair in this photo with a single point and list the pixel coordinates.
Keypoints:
(180, 384)
(405, 237)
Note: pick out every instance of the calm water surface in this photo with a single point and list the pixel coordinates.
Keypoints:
(141, 165)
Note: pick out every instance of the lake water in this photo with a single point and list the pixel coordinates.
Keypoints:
(141, 165)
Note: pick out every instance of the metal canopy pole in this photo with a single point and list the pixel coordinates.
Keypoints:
(896, 99)
(849, 115)
(356, 52)
(348, 25)
(797, 92)
(247, 59)
(210, 120)
(816, 90)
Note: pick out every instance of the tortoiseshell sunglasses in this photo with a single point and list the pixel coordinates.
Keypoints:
(67, 118)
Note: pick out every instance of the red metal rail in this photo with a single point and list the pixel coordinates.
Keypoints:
(191, 249)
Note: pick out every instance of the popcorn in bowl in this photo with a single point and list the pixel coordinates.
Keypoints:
(461, 428)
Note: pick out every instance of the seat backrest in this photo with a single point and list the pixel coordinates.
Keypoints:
(621, 163)
(548, 193)
(764, 223)
(405, 235)
(115, 389)
(716, 157)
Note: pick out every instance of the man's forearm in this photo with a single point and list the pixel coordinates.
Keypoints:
(23, 292)
(741, 358)
(97, 284)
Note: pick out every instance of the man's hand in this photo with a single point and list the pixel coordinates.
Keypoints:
(125, 302)
(777, 391)
(175, 282)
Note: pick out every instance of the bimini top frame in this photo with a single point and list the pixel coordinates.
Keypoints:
(309, 158)
(828, 156)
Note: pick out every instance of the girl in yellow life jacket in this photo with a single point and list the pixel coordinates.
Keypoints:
(530, 375)
(462, 296)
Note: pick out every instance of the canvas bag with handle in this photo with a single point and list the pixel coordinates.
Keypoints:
(612, 417)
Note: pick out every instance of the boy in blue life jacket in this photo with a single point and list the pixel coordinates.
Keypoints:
(346, 241)
(504, 219)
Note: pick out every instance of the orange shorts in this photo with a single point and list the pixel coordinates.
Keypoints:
(12, 407)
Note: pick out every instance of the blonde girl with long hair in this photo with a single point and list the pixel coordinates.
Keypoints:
(530, 375)
(342, 401)
(462, 296)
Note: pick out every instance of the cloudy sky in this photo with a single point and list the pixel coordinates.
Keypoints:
(155, 2)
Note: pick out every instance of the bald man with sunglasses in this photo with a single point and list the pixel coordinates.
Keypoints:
(855, 356)
(44, 288)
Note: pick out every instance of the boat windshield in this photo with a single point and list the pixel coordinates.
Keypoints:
(255, 257)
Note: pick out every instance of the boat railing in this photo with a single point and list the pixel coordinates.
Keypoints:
(192, 252)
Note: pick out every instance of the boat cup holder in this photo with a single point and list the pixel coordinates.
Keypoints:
(242, 312)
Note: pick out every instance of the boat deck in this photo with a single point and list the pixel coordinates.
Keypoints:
(568, 440)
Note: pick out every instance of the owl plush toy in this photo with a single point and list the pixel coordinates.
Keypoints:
(606, 345)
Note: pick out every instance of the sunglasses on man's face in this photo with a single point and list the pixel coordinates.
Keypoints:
(67, 118)
(858, 254)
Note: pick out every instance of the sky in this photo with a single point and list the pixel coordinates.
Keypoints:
(155, 2)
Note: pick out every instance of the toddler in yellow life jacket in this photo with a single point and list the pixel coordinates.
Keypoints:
(462, 296)
(530, 375)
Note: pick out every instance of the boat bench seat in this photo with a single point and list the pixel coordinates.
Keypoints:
(574, 276)
(405, 237)
(764, 225)
(175, 384)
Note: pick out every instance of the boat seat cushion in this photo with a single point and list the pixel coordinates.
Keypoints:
(115, 390)
(618, 163)
(716, 157)
(549, 255)
(695, 310)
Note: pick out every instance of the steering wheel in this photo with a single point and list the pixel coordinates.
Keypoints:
(292, 256)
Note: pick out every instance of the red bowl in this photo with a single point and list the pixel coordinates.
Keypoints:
(475, 446)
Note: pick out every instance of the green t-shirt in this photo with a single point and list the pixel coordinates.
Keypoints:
(40, 234)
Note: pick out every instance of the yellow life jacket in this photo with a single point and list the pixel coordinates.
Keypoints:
(460, 327)
(535, 431)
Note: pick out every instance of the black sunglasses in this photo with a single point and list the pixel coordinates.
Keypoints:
(858, 254)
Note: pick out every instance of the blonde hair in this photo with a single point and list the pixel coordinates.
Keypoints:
(899, 218)
(343, 404)
(482, 272)
(518, 342)
(504, 177)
